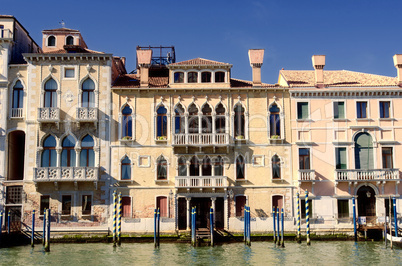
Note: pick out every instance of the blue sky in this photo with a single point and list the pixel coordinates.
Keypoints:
(354, 35)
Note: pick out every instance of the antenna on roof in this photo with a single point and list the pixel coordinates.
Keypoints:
(62, 23)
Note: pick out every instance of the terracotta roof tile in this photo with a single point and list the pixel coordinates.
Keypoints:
(64, 51)
(237, 83)
(337, 78)
(199, 61)
(133, 81)
(62, 29)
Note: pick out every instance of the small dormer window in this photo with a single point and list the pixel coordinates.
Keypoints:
(51, 41)
(192, 77)
(206, 77)
(178, 77)
(219, 76)
(70, 40)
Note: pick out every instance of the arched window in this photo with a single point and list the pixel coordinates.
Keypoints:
(182, 165)
(178, 77)
(206, 119)
(51, 41)
(193, 119)
(50, 93)
(276, 167)
(70, 40)
(220, 122)
(219, 76)
(161, 170)
(240, 169)
(194, 166)
(87, 156)
(274, 121)
(192, 77)
(364, 151)
(239, 121)
(88, 93)
(218, 166)
(127, 123)
(18, 94)
(205, 77)
(161, 122)
(126, 169)
(206, 166)
(68, 152)
(49, 156)
(179, 120)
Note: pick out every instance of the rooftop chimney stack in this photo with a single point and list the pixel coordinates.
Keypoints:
(318, 64)
(256, 57)
(144, 62)
(398, 65)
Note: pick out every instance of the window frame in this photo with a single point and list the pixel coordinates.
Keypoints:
(178, 77)
(50, 93)
(239, 164)
(279, 163)
(48, 41)
(381, 108)
(206, 77)
(360, 109)
(88, 93)
(63, 213)
(51, 150)
(303, 158)
(88, 150)
(336, 157)
(41, 210)
(299, 116)
(239, 212)
(129, 167)
(159, 167)
(389, 155)
(335, 105)
(192, 77)
(217, 80)
(125, 120)
(239, 123)
(85, 212)
(161, 123)
(343, 215)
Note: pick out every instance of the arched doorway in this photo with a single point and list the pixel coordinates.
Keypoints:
(366, 201)
(16, 155)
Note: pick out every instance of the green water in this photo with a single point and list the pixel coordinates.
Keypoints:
(260, 253)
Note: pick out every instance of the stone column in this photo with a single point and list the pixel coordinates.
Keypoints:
(226, 212)
(213, 199)
(77, 156)
(188, 199)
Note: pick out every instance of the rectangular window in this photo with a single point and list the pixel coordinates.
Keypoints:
(387, 158)
(343, 208)
(384, 109)
(86, 204)
(302, 110)
(303, 208)
(126, 206)
(69, 73)
(240, 203)
(339, 110)
(44, 203)
(14, 195)
(66, 205)
(361, 109)
(304, 158)
(340, 156)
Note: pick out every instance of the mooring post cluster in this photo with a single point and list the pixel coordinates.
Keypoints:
(354, 218)
(307, 219)
(119, 221)
(156, 228)
(274, 222)
(298, 218)
(114, 217)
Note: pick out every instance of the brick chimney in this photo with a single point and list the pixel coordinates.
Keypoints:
(318, 64)
(256, 57)
(144, 62)
(398, 65)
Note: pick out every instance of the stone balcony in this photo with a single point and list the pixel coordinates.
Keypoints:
(306, 175)
(203, 139)
(87, 114)
(201, 182)
(6, 34)
(49, 114)
(17, 112)
(355, 175)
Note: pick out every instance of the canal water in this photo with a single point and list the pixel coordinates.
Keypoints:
(260, 253)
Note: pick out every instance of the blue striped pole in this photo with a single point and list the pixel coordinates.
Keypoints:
(33, 229)
(155, 228)
(245, 225)
(298, 217)
(158, 218)
(307, 219)
(8, 222)
(211, 222)
(192, 226)
(119, 221)
(395, 217)
(246, 222)
(1, 223)
(278, 226)
(273, 219)
(47, 238)
(283, 225)
(114, 217)
(249, 225)
(354, 218)
(44, 228)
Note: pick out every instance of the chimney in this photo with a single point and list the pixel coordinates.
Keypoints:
(318, 64)
(144, 62)
(398, 65)
(256, 57)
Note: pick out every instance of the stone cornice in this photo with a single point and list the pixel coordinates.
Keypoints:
(66, 57)
(383, 92)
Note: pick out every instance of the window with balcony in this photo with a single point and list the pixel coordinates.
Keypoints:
(364, 151)
(206, 166)
(276, 167)
(161, 170)
(161, 123)
(162, 205)
(220, 122)
(339, 110)
(126, 169)
(219, 77)
(361, 109)
(66, 204)
(239, 122)
(274, 121)
(240, 168)
(86, 204)
(387, 158)
(343, 208)
(194, 166)
(88, 93)
(51, 41)
(192, 77)
(126, 206)
(49, 155)
(218, 165)
(50, 93)
(240, 204)
(70, 40)
(127, 123)
(18, 99)
(385, 109)
(193, 120)
(302, 110)
(87, 155)
(205, 77)
(304, 158)
(179, 120)
(178, 77)
(340, 157)
(44, 204)
(68, 153)
(182, 166)
(206, 119)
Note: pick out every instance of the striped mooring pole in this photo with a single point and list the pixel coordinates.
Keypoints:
(273, 219)
(47, 238)
(298, 238)
(44, 228)
(119, 222)
(283, 225)
(211, 222)
(354, 218)
(114, 217)
(307, 219)
(33, 229)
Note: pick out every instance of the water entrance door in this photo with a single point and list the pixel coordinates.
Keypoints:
(202, 205)
(366, 201)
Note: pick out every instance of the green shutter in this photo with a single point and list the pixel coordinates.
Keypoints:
(302, 110)
(364, 151)
(341, 158)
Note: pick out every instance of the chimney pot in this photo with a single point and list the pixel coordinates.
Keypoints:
(256, 57)
(144, 62)
(318, 64)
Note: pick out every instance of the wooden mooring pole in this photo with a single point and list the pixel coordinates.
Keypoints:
(273, 219)
(33, 229)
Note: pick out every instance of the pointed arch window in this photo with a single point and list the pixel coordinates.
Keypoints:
(240, 168)
(87, 155)
(126, 169)
(179, 120)
(276, 167)
(194, 166)
(193, 121)
(127, 122)
(18, 94)
(207, 119)
(182, 163)
(68, 156)
(218, 166)
(161, 170)
(239, 121)
(220, 121)
(49, 156)
(161, 122)
(88, 93)
(50, 93)
(274, 121)
(206, 166)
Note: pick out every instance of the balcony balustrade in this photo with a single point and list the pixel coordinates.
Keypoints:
(201, 182)
(17, 112)
(306, 175)
(366, 175)
(87, 114)
(65, 174)
(203, 139)
(6, 34)
(48, 114)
